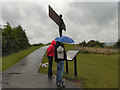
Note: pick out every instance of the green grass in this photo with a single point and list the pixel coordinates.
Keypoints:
(95, 70)
(8, 61)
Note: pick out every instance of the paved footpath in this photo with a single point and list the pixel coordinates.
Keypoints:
(24, 74)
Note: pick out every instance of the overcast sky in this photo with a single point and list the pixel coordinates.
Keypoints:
(84, 20)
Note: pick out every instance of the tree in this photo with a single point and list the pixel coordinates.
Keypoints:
(93, 43)
(83, 43)
(117, 44)
(13, 39)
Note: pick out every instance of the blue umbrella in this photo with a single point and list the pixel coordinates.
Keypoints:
(64, 39)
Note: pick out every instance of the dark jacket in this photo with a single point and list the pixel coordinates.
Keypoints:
(60, 54)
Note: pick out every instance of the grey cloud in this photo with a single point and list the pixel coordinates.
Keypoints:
(92, 20)
(93, 13)
(11, 13)
(32, 17)
(84, 21)
(119, 20)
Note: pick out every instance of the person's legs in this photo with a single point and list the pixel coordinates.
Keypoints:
(58, 72)
(61, 71)
(50, 66)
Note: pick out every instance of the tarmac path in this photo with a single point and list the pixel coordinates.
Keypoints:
(24, 74)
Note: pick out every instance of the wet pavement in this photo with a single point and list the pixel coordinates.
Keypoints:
(24, 74)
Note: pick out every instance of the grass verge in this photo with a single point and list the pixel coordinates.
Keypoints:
(8, 61)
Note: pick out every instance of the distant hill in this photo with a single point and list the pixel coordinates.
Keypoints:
(109, 43)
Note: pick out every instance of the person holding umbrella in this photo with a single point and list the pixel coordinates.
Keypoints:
(60, 56)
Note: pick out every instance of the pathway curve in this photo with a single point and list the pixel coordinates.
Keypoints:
(24, 74)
